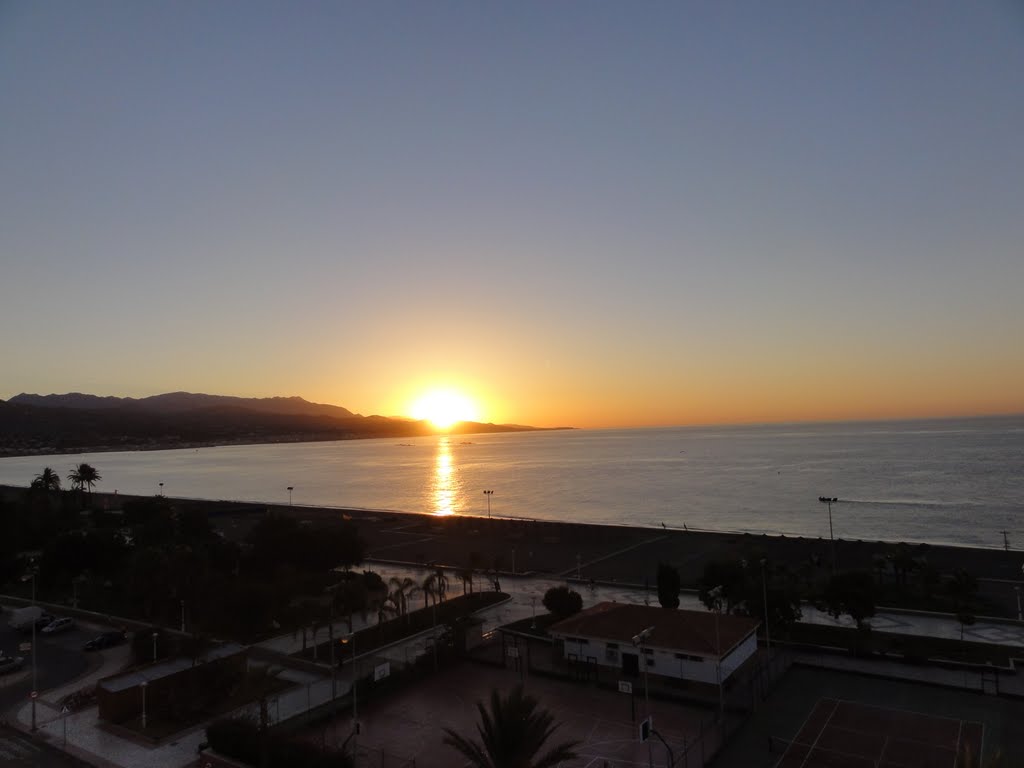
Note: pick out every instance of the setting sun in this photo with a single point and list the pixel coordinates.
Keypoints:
(443, 408)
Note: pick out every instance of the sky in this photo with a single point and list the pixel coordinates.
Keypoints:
(577, 213)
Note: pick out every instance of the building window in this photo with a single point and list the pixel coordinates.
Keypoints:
(613, 646)
(650, 662)
(649, 651)
(688, 657)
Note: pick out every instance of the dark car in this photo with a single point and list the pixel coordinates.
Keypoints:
(45, 620)
(106, 640)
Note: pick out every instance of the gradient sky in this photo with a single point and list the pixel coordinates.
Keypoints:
(585, 213)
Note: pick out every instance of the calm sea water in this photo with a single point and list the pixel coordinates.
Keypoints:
(949, 481)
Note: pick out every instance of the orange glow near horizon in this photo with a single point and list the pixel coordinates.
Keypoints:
(444, 407)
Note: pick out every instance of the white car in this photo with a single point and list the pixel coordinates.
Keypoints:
(10, 664)
(58, 625)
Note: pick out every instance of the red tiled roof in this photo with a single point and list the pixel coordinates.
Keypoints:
(674, 630)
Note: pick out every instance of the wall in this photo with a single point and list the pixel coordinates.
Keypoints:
(666, 663)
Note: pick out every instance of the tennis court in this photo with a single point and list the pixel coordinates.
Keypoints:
(845, 734)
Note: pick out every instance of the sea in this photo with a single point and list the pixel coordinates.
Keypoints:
(957, 481)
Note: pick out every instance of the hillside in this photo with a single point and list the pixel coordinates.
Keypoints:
(74, 423)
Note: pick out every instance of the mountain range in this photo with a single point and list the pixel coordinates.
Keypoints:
(75, 422)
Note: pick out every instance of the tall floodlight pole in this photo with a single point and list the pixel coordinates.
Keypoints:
(355, 699)
(35, 690)
(638, 640)
(831, 537)
(143, 685)
(161, 489)
(488, 494)
(290, 489)
(716, 595)
(764, 586)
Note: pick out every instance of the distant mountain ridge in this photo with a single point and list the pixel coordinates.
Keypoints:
(177, 402)
(79, 423)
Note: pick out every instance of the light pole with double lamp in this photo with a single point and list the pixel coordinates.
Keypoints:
(830, 500)
(290, 489)
(32, 575)
(488, 494)
(716, 597)
(346, 640)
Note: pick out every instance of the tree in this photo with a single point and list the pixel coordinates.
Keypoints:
(403, 590)
(731, 576)
(963, 589)
(668, 586)
(512, 733)
(852, 593)
(562, 602)
(47, 480)
(83, 477)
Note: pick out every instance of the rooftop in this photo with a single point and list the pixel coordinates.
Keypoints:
(695, 632)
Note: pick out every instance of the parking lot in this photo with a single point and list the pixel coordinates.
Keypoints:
(59, 658)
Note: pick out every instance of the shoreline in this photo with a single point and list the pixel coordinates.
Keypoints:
(613, 554)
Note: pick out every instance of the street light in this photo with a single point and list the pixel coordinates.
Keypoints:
(290, 489)
(155, 635)
(533, 605)
(32, 575)
(638, 640)
(764, 585)
(1020, 616)
(830, 500)
(488, 494)
(351, 638)
(182, 617)
(716, 596)
(161, 489)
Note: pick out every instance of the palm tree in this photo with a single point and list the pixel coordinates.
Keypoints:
(404, 589)
(442, 583)
(512, 733)
(429, 589)
(47, 480)
(84, 476)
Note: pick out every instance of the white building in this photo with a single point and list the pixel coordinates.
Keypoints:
(689, 645)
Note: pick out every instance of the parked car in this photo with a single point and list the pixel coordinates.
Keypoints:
(10, 664)
(106, 640)
(22, 619)
(58, 625)
(45, 620)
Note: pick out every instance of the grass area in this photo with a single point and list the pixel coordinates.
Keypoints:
(444, 614)
(912, 648)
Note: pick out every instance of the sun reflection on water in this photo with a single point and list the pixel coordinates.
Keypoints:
(444, 485)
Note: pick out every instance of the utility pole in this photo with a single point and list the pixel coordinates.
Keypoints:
(829, 500)
(1006, 541)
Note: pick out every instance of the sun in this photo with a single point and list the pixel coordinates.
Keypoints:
(445, 407)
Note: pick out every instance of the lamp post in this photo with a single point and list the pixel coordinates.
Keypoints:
(182, 617)
(161, 489)
(533, 605)
(32, 576)
(716, 595)
(351, 638)
(1020, 616)
(638, 640)
(829, 500)
(488, 494)
(764, 586)
(155, 635)
(143, 686)
(290, 489)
